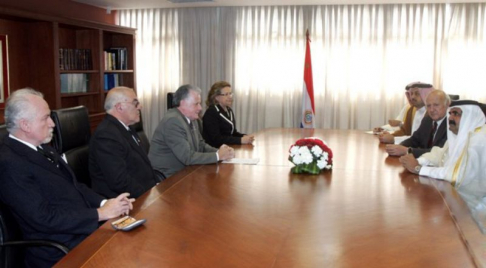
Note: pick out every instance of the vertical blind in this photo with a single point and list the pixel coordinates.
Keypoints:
(362, 58)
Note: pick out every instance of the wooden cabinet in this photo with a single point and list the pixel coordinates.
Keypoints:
(36, 52)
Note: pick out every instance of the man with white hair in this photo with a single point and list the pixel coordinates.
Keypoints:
(39, 187)
(177, 141)
(118, 162)
(432, 131)
(466, 123)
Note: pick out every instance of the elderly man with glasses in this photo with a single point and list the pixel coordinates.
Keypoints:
(118, 161)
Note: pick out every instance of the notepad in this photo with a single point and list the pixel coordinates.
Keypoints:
(243, 161)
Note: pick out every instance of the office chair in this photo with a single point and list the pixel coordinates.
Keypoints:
(3, 132)
(71, 137)
(12, 245)
(483, 107)
(453, 97)
(170, 100)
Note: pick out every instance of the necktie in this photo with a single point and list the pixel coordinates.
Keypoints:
(432, 133)
(134, 136)
(192, 127)
(48, 155)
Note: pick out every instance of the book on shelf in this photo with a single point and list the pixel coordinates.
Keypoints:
(112, 80)
(75, 59)
(74, 83)
(116, 58)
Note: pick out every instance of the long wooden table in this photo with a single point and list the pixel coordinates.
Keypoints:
(367, 212)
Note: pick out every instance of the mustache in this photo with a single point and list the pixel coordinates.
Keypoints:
(452, 122)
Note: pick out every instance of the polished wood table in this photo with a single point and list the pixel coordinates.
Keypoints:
(367, 212)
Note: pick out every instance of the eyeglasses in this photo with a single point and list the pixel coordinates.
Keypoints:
(135, 102)
(455, 113)
(226, 94)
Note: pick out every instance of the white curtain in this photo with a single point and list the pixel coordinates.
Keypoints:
(362, 58)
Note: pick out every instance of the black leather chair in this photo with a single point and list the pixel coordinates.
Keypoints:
(12, 245)
(3, 132)
(453, 97)
(71, 137)
(483, 107)
(170, 100)
(138, 127)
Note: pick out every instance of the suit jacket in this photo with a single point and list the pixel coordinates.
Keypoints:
(420, 138)
(117, 164)
(220, 127)
(47, 201)
(175, 144)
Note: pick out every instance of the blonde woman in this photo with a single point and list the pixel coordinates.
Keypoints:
(219, 125)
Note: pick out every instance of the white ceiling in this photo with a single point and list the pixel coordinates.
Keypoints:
(141, 4)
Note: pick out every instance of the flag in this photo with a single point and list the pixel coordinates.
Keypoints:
(308, 110)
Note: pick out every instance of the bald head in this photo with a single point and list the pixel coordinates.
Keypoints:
(122, 103)
(437, 104)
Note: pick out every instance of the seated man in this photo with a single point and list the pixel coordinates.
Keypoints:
(418, 92)
(117, 161)
(432, 130)
(465, 119)
(40, 189)
(177, 141)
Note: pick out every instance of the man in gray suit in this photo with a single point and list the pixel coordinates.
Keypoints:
(177, 141)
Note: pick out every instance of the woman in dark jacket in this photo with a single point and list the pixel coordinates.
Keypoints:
(219, 125)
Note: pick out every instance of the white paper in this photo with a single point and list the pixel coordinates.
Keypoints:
(243, 161)
(399, 139)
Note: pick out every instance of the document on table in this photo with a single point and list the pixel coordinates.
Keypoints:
(243, 161)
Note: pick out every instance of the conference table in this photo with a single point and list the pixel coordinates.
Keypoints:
(368, 211)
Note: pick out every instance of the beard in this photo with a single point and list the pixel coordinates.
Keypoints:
(49, 136)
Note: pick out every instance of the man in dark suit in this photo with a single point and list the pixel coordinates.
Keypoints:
(432, 130)
(118, 162)
(38, 186)
(177, 141)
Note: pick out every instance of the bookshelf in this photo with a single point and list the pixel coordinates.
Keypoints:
(64, 58)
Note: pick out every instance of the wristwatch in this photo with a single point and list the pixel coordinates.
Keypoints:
(417, 168)
(409, 150)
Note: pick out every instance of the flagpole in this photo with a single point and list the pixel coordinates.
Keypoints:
(308, 108)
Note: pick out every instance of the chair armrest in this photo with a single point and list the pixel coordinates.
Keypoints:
(36, 243)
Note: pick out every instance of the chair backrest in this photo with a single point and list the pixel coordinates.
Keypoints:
(483, 107)
(3, 132)
(9, 231)
(138, 127)
(453, 97)
(170, 100)
(71, 137)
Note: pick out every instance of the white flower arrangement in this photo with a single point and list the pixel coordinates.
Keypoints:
(310, 155)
